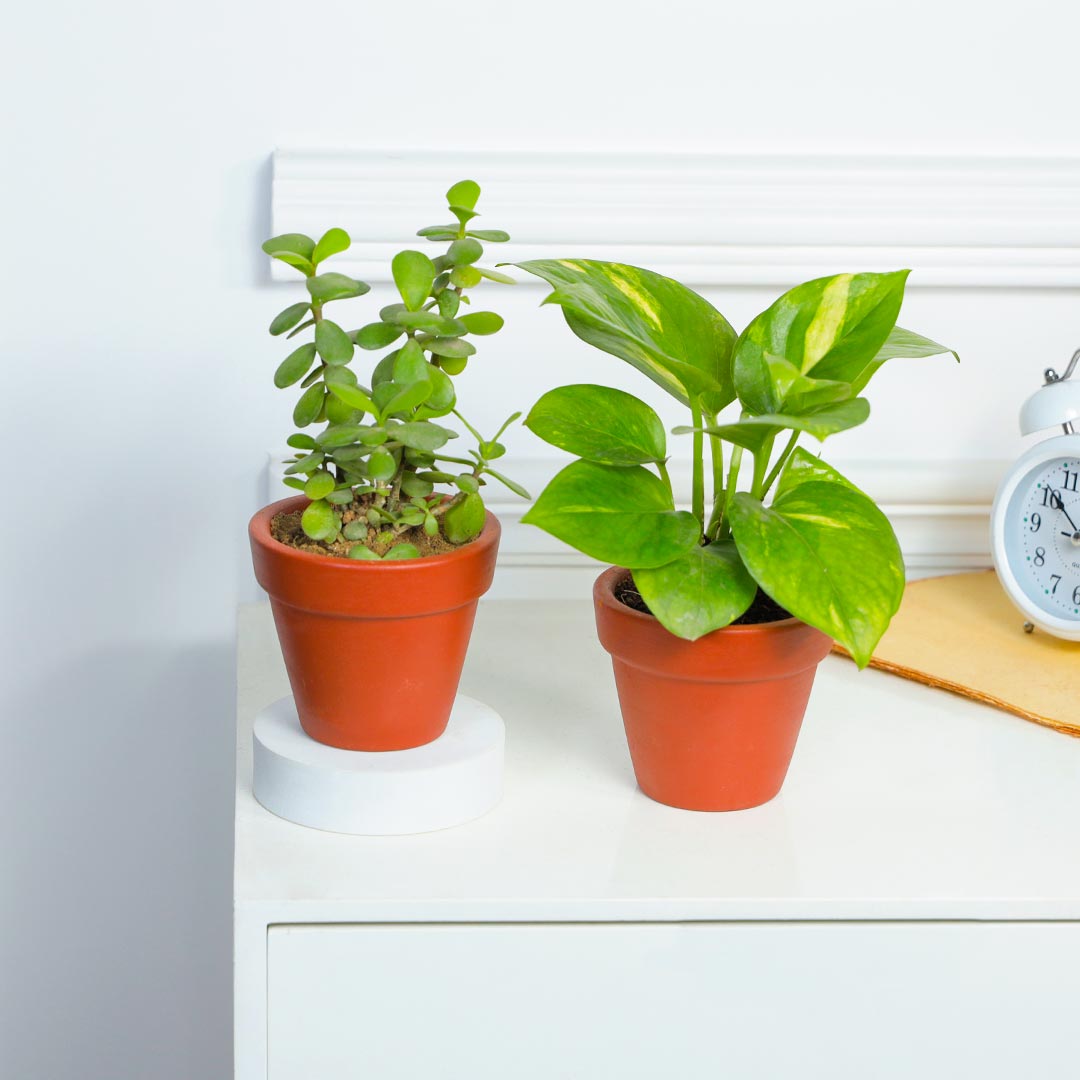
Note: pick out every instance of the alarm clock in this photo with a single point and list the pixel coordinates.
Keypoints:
(1035, 521)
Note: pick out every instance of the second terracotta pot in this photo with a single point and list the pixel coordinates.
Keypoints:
(711, 723)
(374, 650)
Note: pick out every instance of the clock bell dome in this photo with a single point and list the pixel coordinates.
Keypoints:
(1055, 404)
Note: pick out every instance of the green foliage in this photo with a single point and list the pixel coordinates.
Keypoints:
(600, 424)
(818, 546)
(668, 332)
(379, 449)
(620, 515)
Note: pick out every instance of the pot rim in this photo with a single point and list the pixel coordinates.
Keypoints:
(604, 591)
(259, 531)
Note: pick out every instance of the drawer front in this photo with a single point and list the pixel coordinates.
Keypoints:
(686, 1001)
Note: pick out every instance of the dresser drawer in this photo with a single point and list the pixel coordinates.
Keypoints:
(685, 1001)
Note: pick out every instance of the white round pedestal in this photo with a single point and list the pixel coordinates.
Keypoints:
(449, 781)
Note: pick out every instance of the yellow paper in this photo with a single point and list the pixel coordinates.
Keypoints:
(962, 633)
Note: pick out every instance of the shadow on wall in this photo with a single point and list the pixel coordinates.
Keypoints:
(122, 847)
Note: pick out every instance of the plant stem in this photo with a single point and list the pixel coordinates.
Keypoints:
(723, 528)
(781, 461)
(761, 465)
(662, 469)
(716, 449)
(698, 492)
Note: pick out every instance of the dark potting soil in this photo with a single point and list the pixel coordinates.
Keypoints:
(764, 608)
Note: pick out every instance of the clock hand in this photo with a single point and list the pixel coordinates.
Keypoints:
(1056, 501)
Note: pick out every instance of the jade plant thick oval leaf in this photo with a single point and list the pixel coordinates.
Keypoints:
(752, 431)
(618, 515)
(665, 330)
(825, 552)
(599, 423)
(332, 242)
(701, 591)
(333, 286)
(831, 328)
(413, 275)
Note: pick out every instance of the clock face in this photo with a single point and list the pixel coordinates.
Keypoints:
(1042, 536)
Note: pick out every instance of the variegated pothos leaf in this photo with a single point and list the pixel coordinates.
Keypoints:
(665, 330)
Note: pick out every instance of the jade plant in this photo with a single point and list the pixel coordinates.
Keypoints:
(373, 473)
(778, 519)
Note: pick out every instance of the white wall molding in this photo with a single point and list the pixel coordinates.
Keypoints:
(711, 219)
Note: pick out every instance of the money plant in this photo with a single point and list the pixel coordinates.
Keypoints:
(777, 518)
(376, 469)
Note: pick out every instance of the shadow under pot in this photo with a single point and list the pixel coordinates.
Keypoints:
(374, 650)
(712, 723)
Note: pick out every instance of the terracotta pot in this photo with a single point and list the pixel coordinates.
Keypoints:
(711, 723)
(374, 650)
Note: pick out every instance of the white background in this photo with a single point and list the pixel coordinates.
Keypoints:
(138, 404)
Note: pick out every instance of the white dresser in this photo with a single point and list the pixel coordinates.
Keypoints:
(908, 907)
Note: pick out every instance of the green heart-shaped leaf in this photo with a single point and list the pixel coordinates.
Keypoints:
(899, 343)
(618, 515)
(830, 327)
(658, 325)
(825, 552)
(600, 424)
(703, 590)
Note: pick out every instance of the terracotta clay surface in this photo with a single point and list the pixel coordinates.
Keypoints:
(711, 723)
(374, 650)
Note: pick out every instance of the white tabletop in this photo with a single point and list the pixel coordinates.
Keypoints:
(902, 802)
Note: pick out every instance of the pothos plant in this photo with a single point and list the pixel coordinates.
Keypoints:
(777, 518)
(372, 473)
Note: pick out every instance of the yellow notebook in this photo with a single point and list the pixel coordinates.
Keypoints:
(961, 633)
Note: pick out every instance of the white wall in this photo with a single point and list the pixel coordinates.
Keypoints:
(138, 402)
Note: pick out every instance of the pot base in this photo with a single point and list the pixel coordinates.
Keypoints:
(454, 779)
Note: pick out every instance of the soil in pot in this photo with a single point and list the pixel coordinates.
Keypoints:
(763, 609)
